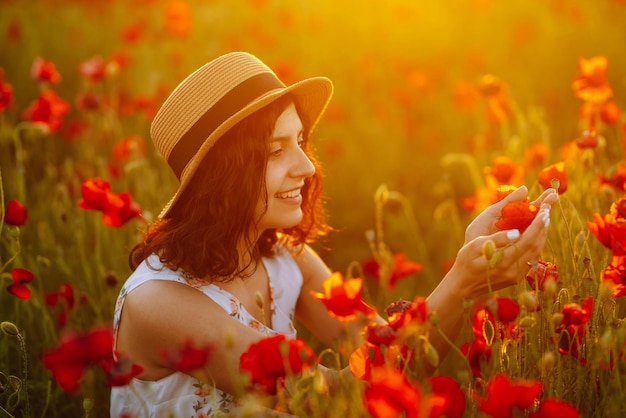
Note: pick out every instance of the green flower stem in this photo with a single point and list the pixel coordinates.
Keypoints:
(6, 412)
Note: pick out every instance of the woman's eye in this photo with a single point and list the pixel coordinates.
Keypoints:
(301, 143)
(276, 152)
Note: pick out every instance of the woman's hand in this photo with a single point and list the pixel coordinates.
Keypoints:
(475, 275)
(484, 224)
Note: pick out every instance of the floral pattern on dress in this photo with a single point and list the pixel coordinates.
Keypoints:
(195, 399)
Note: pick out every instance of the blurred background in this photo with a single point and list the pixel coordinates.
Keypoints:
(410, 108)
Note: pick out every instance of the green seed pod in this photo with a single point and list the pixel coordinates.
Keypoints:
(498, 256)
(547, 362)
(432, 355)
(9, 328)
(527, 322)
(489, 247)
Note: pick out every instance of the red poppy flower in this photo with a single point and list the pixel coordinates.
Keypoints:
(610, 113)
(75, 353)
(45, 71)
(95, 194)
(21, 277)
(505, 394)
(378, 334)
(400, 268)
(390, 394)
(449, 389)
(132, 32)
(63, 299)
(535, 155)
(370, 356)
(615, 273)
(477, 351)
(121, 371)
(343, 298)
(94, 69)
(269, 360)
(125, 149)
(616, 178)
(403, 313)
(591, 84)
(502, 169)
(587, 140)
(610, 229)
(187, 358)
(6, 92)
(550, 408)
(117, 208)
(503, 191)
(88, 101)
(517, 215)
(537, 277)
(504, 309)
(554, 172)
(498, 103)
(120, 209)
(15, 213)
(572, 327)
(177, 18)
(48, 109)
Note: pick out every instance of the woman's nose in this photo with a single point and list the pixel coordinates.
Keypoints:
(303, 167)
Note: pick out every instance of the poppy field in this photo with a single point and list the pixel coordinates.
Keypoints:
(440, 109)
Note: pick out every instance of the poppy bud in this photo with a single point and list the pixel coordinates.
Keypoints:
(549, 288)
(547, 362)
(431, 355)
(497, 258)
(527, 322)
(606, 340)
(9, 328)
(605, 291)
(529, 301)
(557, 319)
(489, 247)
(87, 405)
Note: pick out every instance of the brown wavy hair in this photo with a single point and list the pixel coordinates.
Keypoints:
(203, 232)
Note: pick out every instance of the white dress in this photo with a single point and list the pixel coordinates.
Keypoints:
(183, 396)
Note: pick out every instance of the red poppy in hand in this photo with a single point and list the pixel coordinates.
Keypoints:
(517, 215)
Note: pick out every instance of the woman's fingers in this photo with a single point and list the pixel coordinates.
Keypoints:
(549, 196)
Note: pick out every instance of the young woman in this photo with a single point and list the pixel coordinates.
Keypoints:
(238, 227)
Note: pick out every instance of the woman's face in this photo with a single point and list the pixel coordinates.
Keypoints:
(287, 168)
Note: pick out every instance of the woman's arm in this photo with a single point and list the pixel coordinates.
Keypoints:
(161, 315)
(467, 279)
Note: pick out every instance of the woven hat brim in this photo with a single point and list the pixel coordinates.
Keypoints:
(313, 95)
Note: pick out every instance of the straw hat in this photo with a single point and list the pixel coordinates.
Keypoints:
(214, 98)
